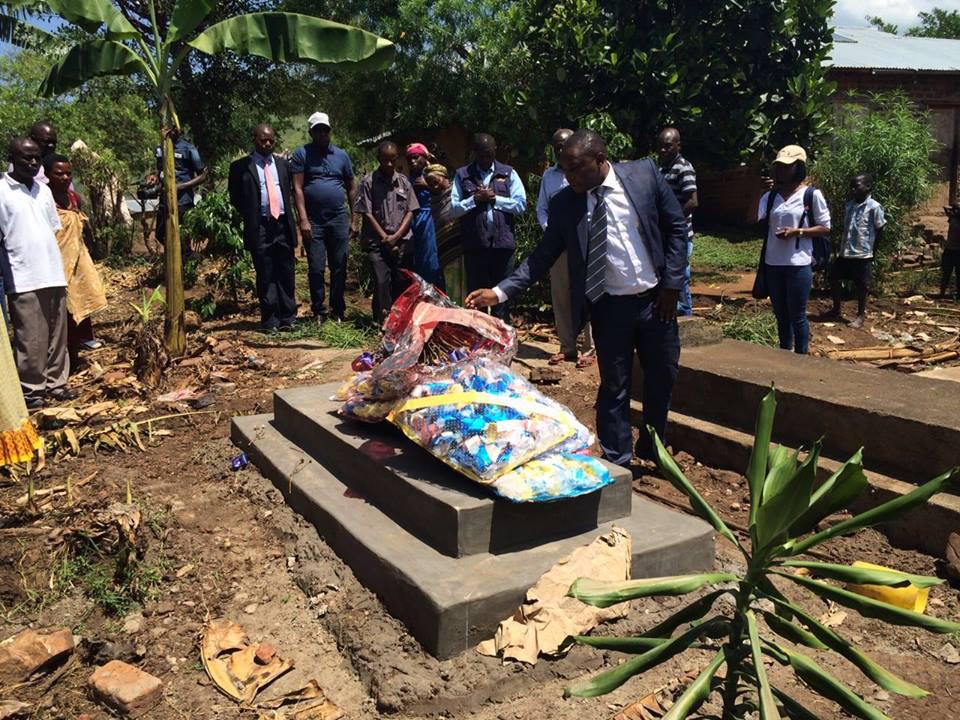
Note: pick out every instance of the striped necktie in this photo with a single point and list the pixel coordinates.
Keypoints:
(597, 248)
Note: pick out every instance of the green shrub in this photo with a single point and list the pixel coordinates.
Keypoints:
(216, 225)
(786, 508)
(890, 139)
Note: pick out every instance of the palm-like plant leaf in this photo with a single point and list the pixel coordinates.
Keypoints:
(874, 608)
(187, 16)
(697, 691)
(609, 680)
(290, 37)
(831, 688)
(691, 613)
(781, 508)
(876, 672)
(876, 515)
(865, 576)
(672, 472)
(91, 15)
(794, 633)
(834, 494)
(768, 707)
(757, 467)
(90, 59)
(604, 594)
(791, 707)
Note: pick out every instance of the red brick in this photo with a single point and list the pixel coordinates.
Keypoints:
(24, 654)
(126, 689)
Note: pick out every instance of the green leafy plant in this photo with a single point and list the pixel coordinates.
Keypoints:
(142, 39)
(786, 507)
(891, 139)
(143, 309)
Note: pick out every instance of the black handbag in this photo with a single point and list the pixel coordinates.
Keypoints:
(760, 290)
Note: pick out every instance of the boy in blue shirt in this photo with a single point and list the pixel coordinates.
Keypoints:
(863, 222)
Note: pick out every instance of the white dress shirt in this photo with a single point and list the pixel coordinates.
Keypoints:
(629, 266)
(28, 220)
(554, 180)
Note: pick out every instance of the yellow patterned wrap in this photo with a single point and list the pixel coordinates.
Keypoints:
(18, 437)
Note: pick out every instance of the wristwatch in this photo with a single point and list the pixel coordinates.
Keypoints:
(801, 232)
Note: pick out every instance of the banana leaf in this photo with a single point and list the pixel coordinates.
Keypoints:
(90, 59)
(603, 594)
(876, 515)
(611, 679)
(759, 455)
(876, 672)
(91, 15)
(291, 37)
(864, 576)
(675, 476)
(874, 608)
(187, 16)
(768, 706)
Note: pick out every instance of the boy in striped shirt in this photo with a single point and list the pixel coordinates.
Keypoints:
(682, 179)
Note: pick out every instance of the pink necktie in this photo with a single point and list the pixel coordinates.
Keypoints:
(273, 200)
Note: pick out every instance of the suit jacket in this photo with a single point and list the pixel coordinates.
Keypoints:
(244, 189)
(660, 218)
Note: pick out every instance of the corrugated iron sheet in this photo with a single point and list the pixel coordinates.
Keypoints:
(868, 48)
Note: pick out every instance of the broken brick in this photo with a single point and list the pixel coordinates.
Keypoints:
(28, 652)
(126, 689)
(265, 653)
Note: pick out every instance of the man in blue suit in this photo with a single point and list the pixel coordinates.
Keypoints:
(626, 241)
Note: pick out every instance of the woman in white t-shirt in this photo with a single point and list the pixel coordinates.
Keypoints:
(789, 254)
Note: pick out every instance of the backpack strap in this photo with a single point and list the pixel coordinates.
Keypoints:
(771, 196)
(807, 210)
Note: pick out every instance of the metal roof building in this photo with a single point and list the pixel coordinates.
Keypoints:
(872, 49)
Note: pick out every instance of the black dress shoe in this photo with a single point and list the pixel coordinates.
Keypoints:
(62, 395)
(36, 403)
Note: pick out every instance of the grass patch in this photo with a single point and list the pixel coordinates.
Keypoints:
(759, 328)
(357, 331)
(726, 249)
(115, 592)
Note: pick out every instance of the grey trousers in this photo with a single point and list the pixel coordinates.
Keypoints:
(562, 317)
(40, 340)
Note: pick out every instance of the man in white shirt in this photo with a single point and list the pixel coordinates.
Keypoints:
(553, 182)
(626, 239)
(34, 279)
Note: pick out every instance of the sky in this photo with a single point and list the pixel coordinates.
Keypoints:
(899, 12)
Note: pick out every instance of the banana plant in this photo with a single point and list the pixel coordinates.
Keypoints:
(786, 507)
(130, 38)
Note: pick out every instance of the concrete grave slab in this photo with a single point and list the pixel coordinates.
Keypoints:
(424, 496)
(449, 604)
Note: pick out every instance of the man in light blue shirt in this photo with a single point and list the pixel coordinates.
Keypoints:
(487, 196)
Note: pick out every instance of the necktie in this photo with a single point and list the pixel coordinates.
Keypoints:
(273, 199)
(597, 248)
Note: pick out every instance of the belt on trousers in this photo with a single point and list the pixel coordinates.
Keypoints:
(270, 217)
(645, 294)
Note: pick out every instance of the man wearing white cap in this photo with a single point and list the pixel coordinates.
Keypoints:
(322, 186)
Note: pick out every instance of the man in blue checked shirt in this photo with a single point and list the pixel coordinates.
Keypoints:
(487, 196)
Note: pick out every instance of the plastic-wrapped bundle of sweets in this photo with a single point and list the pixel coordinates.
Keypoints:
(483, 420)
(552, 476)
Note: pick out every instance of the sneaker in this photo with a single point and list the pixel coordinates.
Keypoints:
(321, 319)
(62, 395)
(287, 327)
(36, 403)
(92, 344)
(857, 322)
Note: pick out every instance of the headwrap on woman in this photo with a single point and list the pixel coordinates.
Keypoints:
(436, 169)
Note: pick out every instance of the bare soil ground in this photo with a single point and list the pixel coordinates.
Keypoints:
(221, 543)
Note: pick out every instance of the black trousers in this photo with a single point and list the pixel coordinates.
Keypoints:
(622, 325)
(388, 282)
(486, 269)
(274, 263)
